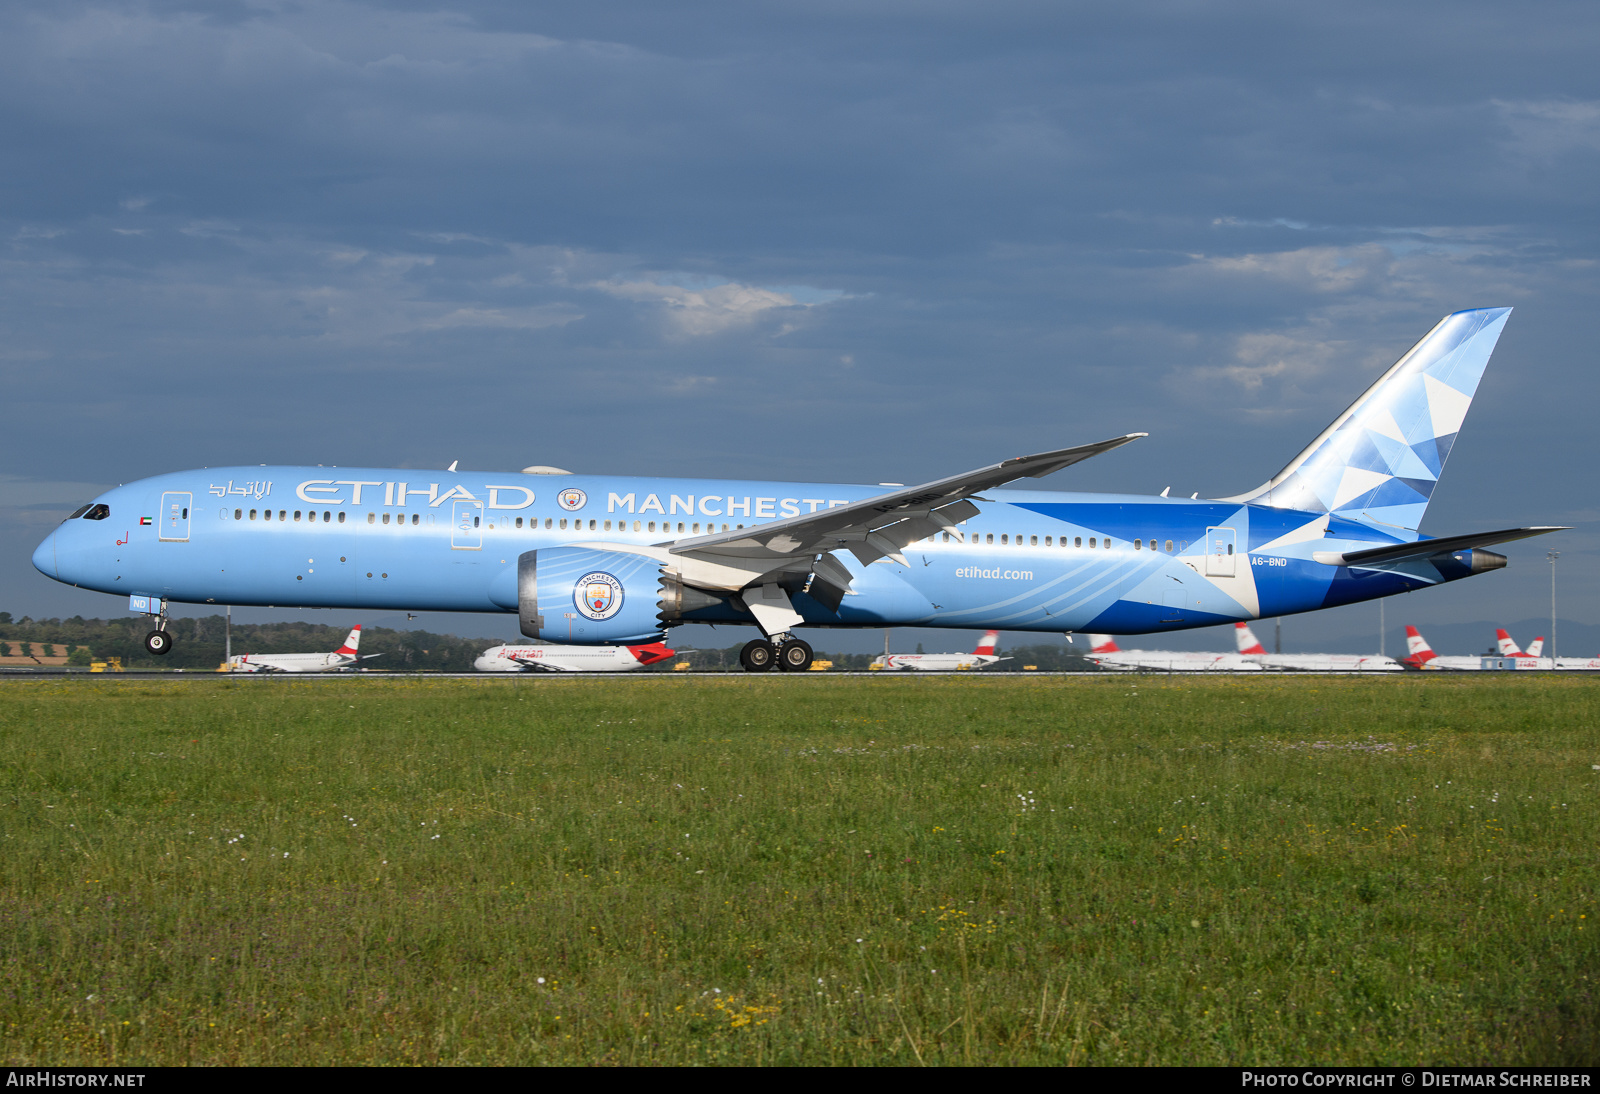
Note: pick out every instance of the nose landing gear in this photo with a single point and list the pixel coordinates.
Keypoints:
(158, 642)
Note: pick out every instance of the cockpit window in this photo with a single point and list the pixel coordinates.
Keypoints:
(97, 512)
(82, 509)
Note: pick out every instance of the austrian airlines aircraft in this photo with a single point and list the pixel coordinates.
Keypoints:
(346, 656)
(1250, 647)
(616, 560)
(944, 662)
(1104, 652)
(570, 658)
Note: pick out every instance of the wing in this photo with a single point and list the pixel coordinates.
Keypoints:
(882, 525)
(759, 567)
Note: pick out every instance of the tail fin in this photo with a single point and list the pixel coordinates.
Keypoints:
(1417, 647)
(352, 643)
(986, 645)
(1246, 639)
(1536, 647)
(1102, 643)
(1380, 459)
(1508, 648)
(651, 653)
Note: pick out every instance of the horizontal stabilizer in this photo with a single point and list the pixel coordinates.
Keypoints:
(1425, 548)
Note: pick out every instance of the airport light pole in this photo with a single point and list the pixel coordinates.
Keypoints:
(1552, 556)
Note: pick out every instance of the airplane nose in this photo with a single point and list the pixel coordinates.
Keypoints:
(44, 558)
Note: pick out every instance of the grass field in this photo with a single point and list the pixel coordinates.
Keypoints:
(801, 871)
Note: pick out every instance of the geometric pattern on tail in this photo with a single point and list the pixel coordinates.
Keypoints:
(1380, 460)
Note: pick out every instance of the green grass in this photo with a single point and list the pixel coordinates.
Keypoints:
(800, 871)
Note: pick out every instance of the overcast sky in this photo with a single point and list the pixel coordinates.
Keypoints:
(864, 241)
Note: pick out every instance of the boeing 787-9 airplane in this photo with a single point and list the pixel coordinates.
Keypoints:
(618, 560)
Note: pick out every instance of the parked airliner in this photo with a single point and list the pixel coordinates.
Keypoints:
(617, 560)
(1103, 651)
(345, 657)
(1251, 647)
(550, 658)
(979, 658)
(1535, 652)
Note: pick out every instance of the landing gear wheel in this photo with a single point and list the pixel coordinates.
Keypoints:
(794, 656)
(756, 656)
(158, 642)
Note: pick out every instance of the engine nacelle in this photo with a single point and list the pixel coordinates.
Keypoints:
(587, 596)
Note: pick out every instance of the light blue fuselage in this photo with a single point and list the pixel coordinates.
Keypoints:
(368, 538)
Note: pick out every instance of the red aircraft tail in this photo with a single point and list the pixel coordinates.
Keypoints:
(650, 654)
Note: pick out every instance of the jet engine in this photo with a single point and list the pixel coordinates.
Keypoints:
(588, 596)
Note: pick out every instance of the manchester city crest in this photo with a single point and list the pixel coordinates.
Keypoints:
(572, 500)
(598, 595)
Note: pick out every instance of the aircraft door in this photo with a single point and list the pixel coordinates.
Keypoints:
(1220, 557)
(174, 518)
(466, 525)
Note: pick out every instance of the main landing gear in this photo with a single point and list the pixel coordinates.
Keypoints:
(789, 654)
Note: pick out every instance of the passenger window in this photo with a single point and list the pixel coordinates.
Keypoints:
(547, 522)
(1138, 545)
(415, 520)
(297, 514)
(519, 522)
(652, 526)
(1047, 542)
(372, 518)
(1108, 543)
(592, 523)
(990, 537)
(563, 524)
(1091, 543)
(386, 518)
(283, 514)
(1033, 541)
(680, 527)
(1169, 546)
(636, 526)
(1003, 539)
(947, 537)
(1077, 541)
(608, 525)
(238, 514)
(252, 514)
(696, 529)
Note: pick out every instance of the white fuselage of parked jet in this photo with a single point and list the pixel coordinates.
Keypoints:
(552, 658)
(979, 658)
(346, 656)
